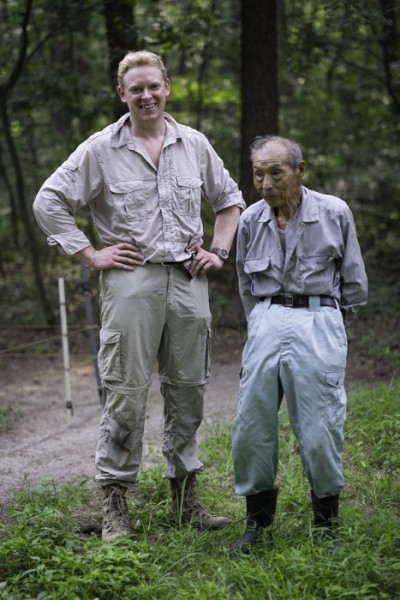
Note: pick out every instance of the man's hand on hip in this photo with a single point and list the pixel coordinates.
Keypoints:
(120, 256)
(202, 261)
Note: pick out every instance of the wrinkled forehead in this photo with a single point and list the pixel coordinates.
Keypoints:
(272, 153)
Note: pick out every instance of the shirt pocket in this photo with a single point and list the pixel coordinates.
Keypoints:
(264, 275)
(189, 195)
(109, 357)
(131, 197)
(317, 273)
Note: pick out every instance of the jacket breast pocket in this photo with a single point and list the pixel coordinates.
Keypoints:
(189, 195)
(130, 196)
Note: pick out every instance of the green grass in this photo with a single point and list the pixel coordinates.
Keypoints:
(7, 418)
(44, 553)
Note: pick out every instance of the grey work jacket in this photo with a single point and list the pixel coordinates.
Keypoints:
(132, 200)
(323, 256)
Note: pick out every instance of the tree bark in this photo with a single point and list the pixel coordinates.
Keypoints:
(259, 82)
(5, 90)
(121, 38)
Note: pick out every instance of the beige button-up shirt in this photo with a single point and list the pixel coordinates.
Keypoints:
(322, 256)
(132, 200)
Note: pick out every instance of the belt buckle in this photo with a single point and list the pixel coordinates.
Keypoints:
(288, 301)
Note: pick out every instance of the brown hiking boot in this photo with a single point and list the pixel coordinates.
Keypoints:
(115, 513)
(188, 507)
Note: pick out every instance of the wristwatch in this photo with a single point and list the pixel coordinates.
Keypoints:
(223, 254)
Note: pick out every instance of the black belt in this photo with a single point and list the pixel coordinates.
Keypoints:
(296, 301)
(172, 263)
(182, 264)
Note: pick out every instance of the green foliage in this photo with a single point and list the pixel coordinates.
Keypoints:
(337, 102)
(339, 97)
(7, 418)
(44, 556)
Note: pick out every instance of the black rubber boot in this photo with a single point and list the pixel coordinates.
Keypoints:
(326, 515)
(260, 510)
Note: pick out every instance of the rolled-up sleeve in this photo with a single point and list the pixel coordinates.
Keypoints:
(218, 186)
(73, 185)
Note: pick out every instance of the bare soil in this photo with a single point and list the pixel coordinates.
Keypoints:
(48, 442)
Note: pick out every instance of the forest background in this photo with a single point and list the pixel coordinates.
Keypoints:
(325, 73)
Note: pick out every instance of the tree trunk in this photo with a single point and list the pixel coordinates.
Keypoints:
(5, 90)
(259, 82)
(121, 38)
(389, 41)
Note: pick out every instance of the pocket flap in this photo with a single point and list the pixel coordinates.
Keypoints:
(107, 336)
(125, 187)
(255, 265)
(191, 182)
(335, 379)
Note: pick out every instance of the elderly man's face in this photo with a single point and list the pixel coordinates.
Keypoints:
(277, 182)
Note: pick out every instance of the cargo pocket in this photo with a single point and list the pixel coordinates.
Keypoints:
(335, 399)
(109, 357)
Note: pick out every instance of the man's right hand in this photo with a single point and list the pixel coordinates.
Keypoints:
(120, 256)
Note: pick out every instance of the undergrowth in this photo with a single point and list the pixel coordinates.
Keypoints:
(47, 554)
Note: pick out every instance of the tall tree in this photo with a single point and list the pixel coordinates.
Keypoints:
(5, 91)
(121, 37)
(259, 81)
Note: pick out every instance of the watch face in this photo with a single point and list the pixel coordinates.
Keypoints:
(223, 254)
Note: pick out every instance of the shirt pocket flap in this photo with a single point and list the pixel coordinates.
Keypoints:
(256, 265)
(190, 182)
(125, 187)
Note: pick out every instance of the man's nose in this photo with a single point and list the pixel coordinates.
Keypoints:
(146, 93)
(267, 182)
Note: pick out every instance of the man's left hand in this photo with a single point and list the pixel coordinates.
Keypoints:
(202, 261)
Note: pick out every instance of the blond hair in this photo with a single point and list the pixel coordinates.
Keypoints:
(140, 59)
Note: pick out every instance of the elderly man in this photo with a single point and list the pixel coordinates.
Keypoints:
(144, 179)
(301, 280)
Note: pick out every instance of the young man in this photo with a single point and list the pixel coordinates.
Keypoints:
(144, 179)
(301, 280)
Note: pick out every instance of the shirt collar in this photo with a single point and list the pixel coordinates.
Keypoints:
(308, 210)
(120, 135)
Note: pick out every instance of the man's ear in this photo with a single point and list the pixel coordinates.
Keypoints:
(301, 167)
(121, 93)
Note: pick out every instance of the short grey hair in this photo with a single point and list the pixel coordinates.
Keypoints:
(140, 58)
(293, 150)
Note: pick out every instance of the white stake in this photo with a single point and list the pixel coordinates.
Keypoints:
(64, 335)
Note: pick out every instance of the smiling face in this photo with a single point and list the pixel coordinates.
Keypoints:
(274, 179)
(145, 91)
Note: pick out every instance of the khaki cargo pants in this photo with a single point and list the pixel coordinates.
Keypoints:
(154, 313)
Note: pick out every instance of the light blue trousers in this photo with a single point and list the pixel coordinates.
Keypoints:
(299, 353)
(151, 314)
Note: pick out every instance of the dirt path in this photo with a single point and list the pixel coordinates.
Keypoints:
(48, 443)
